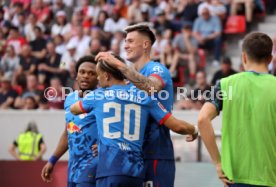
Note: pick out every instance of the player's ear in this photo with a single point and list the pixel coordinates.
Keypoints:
(146, 44)
(244, 59)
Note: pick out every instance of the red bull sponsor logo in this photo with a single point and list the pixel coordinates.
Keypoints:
(72, 128)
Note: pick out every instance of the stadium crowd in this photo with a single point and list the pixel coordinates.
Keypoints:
(41, 40)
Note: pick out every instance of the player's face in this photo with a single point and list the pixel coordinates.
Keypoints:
(134, 46)
(102, 77)
(87, 76)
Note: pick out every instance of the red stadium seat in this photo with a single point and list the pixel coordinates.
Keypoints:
(202, 58)
(180, 76)
(235, 25)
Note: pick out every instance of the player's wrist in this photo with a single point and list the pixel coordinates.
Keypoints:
(53, 160)
(196, 130)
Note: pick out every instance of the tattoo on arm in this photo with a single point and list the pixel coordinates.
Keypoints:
(149, 84)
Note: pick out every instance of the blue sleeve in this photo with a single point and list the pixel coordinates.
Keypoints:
(158, 112)
(216, 100)
(88, 102)
(161, 72)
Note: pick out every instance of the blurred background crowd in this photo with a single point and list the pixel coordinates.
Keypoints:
(41, 40)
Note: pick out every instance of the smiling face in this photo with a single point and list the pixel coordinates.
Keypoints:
(134, 46)
(87, 76)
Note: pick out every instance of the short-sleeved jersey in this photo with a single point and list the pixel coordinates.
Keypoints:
(82, 134)
(158, 144)
(122, 113)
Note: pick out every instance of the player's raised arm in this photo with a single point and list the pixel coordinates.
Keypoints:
(140, 81)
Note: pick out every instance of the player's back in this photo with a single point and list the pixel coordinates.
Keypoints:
(82, 134)
(121, 113)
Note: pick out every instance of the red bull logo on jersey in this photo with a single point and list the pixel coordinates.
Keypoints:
(72, 128)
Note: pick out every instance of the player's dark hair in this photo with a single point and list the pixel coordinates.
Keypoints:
(142, 29)
(258, 47)
(88, 58)
(117, 74)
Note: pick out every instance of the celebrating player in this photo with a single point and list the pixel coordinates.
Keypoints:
(152, 77)
(248, 120)
(122, 113)
(80, 132)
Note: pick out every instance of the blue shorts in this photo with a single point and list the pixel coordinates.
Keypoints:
(119, 181)
(159, 173)
(82, 184)
(244, 185)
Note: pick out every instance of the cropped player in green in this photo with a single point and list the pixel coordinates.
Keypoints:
(248, 154)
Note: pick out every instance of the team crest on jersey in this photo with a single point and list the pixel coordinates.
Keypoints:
(162, 107)
(157, 69)
(81, 116)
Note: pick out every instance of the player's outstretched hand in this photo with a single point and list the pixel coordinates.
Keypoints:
(222, 176)
(109, 58)
(95, 150)
(191, 137)
(47, 172)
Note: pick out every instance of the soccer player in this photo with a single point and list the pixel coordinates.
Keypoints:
(154, 78)
(80, 133)
(122, 113)
(248, 154)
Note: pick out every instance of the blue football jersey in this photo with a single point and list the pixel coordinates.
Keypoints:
(122, 113)
(82, 134)
(158, 144)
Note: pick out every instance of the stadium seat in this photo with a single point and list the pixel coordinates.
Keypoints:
(180, 77)
(202, 58)
(235, 25)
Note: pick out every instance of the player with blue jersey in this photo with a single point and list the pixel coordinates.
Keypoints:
(80, 132)
(122, 113)
(154, 78)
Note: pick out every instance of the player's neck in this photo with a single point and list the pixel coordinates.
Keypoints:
(259, 68)
(116, 82)
(141, 62)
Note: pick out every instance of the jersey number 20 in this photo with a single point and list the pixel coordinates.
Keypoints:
(126, 121)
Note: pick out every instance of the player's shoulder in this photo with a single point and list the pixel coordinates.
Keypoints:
(153, 67)
(71, 98)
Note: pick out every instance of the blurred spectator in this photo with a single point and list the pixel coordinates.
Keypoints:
(3, 42)
(95, 47)
(122, 7)
(167, 57)
(99, 25)
(134, 13)
(70, 57)
(26, 3)
(21, 24)
(49, 68)
(32, 90)
(29, 103)
(55, 93)
(198, 96)
(42, 11)
(225, 70)
(249, 7)
(27, 61)
(29, 145)
(60, 45)
(30, 26)
(160, 43)
(162, 23)
(219, 9)
(15, 39)
(187, 9)
(207, 31)
(61, 26)
(185, 46)
(7, 94)
(81, 40)
(43, 103)
(16, 10)
(115, 23)
(38, 45)
(9, 64)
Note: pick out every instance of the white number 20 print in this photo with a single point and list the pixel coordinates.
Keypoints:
(126, 121)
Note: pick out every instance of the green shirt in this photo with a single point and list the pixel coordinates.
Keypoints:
(249, 128)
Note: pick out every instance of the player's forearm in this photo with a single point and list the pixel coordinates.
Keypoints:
(179, 126)
(209, 139)
(140, 81)
(62, 146)
(12, 151)
(75, 109)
